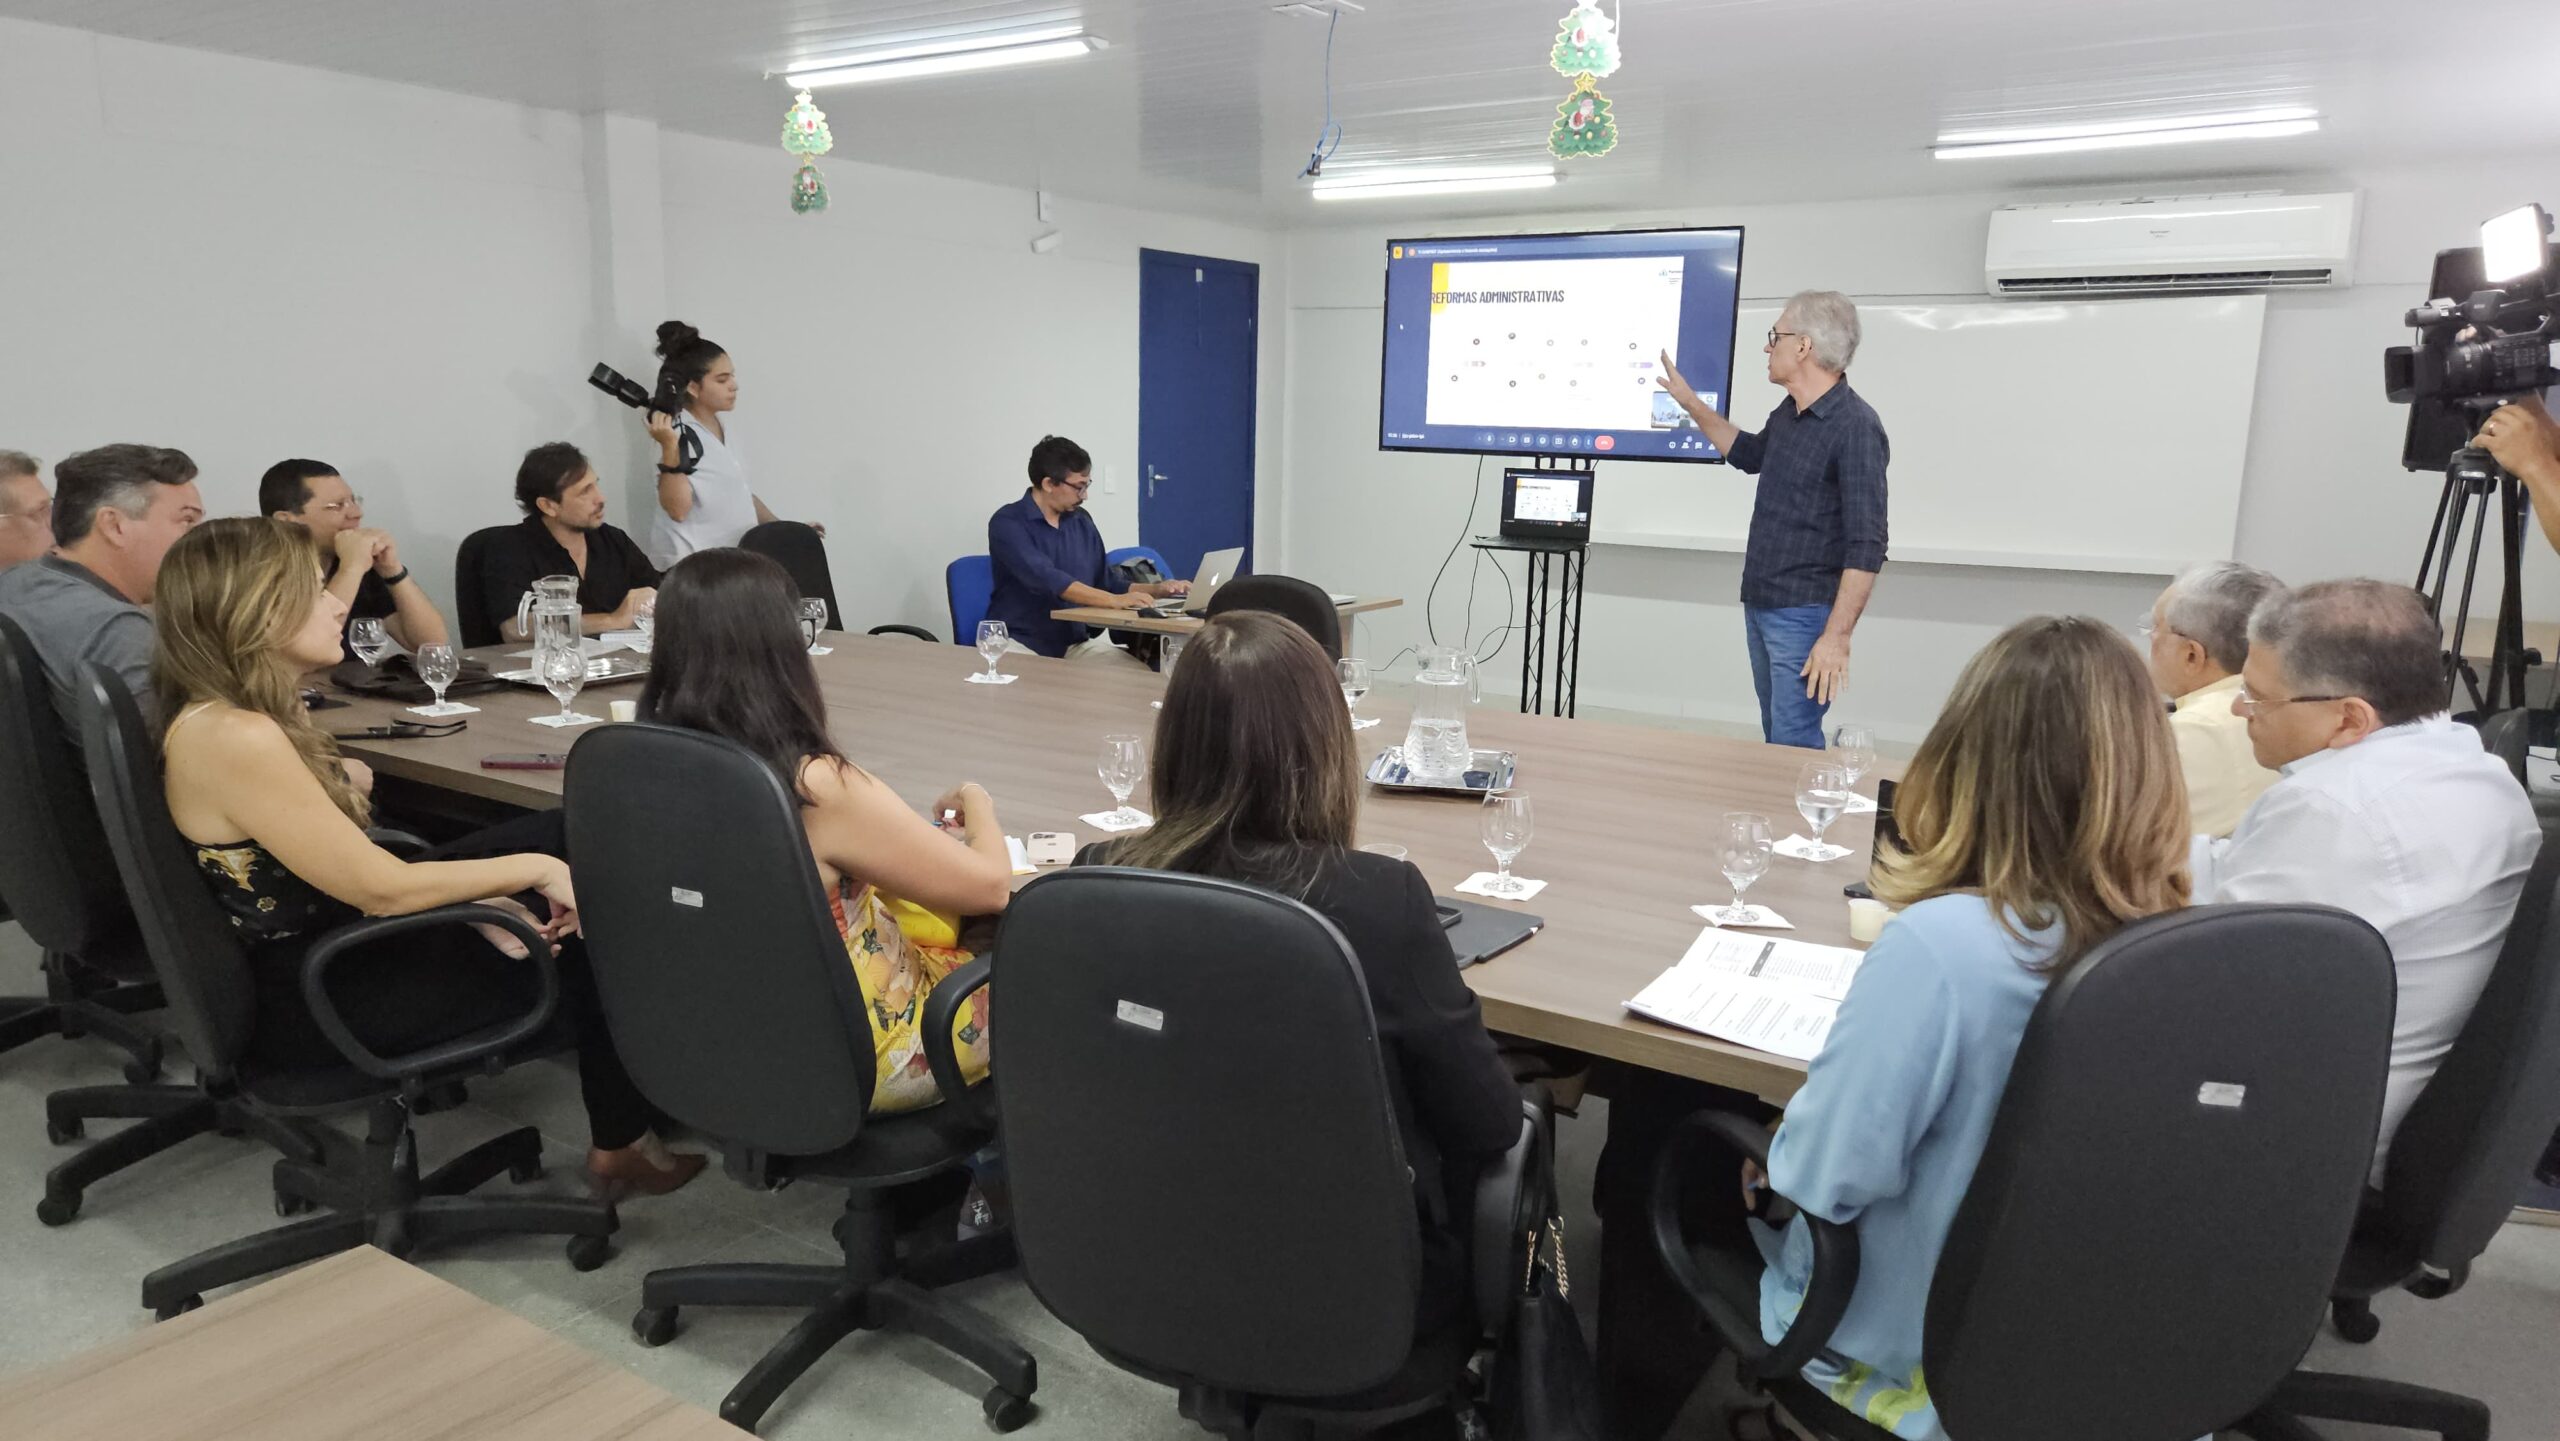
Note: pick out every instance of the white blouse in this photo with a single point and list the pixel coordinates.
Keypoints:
(724, 504)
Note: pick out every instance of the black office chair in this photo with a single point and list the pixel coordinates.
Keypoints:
(60, 884)
(2507, 735)
(2460, 1155)
(803, 552)
(470, 588)
(1206, 1176)
(915, 632)
(731, 999)
(2146, 1245)
(372, 1185)
(1307, 604)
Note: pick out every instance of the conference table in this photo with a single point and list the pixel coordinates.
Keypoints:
(1624, 816)
(1110, 618)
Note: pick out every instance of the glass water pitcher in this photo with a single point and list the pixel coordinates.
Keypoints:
(1435, 746)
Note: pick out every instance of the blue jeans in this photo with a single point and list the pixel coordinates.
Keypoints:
(1780, 641)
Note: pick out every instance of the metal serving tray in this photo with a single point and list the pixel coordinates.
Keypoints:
(1490, 771)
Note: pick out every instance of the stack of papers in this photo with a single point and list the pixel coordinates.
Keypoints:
(1770, 994)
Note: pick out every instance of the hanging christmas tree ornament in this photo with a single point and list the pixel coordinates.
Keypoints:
(808, 191)
(1583, 125)
(804, 129)
(1586, 44)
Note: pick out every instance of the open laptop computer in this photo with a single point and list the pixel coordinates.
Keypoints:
(1216, 569)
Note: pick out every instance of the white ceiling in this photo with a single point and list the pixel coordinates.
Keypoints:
(1210, 106)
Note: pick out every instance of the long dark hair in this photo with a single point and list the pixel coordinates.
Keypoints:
(1256, 777)
(729, 659)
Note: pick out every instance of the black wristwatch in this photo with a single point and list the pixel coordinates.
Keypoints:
(392, 580)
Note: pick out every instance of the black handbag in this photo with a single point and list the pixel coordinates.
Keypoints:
(397, 679)
(1545, 1384)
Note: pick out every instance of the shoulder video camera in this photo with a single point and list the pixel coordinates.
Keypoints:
(661, 402)
(2483, 340)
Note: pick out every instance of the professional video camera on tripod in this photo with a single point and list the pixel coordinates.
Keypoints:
(2473, 355)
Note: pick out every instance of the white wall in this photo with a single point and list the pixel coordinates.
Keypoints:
(2323, 494)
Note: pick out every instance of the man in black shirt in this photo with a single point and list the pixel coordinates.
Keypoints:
(363, 564)
(564, 534)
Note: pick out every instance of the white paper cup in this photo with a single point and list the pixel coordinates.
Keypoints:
(626, 710)
(1867, 918)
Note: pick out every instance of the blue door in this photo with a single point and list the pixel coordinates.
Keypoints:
(1195, 405)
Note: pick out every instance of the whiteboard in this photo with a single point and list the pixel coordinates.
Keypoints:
(2100, 435)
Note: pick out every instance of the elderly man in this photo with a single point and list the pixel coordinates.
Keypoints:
(26, 512)
(1818, 522)
(363, 565)
(2387, 807)
(121, 508)
(2199, 633)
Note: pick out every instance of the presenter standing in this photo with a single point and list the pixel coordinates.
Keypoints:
(1818, 522)
(710, 504)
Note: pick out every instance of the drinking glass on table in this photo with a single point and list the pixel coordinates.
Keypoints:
(1122, 765)
(437, 666)
(369, 641)
(1505, 828)
(644, 619)
(1822, 792)
(563, 670)
(813, 619)
(1855, 748)
(992, 639)
(1742, 853)
(1355, 684)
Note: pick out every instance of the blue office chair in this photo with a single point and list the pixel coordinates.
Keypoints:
(1149, 553)
(970, 583)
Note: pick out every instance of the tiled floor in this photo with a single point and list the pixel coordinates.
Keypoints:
(65, 1289)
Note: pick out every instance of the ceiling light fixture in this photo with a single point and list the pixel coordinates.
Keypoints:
(1398, 184)
(950, 56)
(2266, 124)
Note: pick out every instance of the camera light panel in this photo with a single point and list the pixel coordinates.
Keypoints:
(2514, 245)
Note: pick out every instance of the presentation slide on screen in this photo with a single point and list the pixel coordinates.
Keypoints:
(1552, 345)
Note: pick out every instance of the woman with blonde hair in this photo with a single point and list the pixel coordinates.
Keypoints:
(2043, 812)
(277, 823)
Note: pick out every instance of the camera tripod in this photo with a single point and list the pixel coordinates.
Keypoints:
(2470, 478)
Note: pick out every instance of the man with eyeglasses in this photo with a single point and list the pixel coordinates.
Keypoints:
(26, 511)
(2199, 638)
(363, 565)
(2388, 808)
(1048, 553)
(1818, 520)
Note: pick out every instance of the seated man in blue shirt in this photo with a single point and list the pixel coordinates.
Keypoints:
(1048, 554)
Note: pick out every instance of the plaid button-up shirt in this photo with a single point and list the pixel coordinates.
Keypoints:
(1820, 508)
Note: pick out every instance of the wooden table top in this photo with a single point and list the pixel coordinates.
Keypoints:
(355, 1345)
(1624, 817)
(1097, 615)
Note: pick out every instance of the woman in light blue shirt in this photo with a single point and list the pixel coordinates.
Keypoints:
(2043, 812)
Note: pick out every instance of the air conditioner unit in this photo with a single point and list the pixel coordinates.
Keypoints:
(2167, 244)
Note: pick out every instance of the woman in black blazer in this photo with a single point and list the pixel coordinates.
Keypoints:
(1256, 780)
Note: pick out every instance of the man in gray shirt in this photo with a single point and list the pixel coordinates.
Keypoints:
(116, 511)
(26, 512)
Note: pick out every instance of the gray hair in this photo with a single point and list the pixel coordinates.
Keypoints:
(2365, 638)
(2211, 605)
(15, 463)
(1828, 319)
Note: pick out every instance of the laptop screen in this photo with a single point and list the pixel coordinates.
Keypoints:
(1546, 502)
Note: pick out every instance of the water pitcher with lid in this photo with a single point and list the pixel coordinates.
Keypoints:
(1435, 746)
(548, 614)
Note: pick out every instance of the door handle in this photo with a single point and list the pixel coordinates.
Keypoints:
(1153, 475)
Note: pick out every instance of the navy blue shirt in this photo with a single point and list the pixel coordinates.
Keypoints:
(1035, 562)
(1820, 509)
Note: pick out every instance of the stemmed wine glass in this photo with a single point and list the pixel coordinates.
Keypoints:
(1355, 684)
(564, 673)
(813, 619)
(1822, 792)
(1505, 829)
(1855, 747)
(1122, 765)
(992, 639)
(1742, 852)
(437, 666)
(369, 641)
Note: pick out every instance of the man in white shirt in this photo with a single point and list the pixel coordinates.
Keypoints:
(2199, 634)
(2388, 808)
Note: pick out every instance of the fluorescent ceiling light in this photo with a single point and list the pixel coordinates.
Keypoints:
(1388, 184)
(2126, 134)
(2511, 244)
(949, 57)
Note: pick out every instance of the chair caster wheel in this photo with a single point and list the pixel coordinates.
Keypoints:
(179, 1307)
(1006, 1411)
(57, 1210)
(654, 1326)
(526, 1173)
(588, 1252)
(64, 1132)
(141, 1073)
(289, 1206)
(2354, 1321)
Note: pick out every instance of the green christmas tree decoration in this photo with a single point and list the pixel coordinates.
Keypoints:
(804, 129)
(1583, 125)
(808, 191)
(1586, 44)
